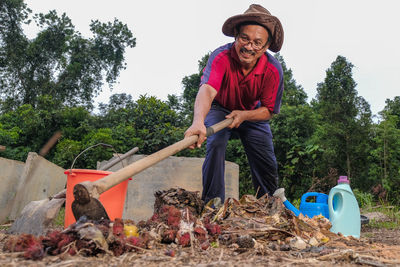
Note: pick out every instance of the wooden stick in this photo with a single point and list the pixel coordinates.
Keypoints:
(134, 168)
(119, 158)
(46, 148)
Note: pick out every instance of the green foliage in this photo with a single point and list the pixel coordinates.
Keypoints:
(344, 122)
(156, 124)
(392, 214)
(385, 157)
(296, 202)
(386, 224)
(292, 129)
(364, 199)
(66, 151)
(9, 136)
(60, 219)
(294, 94)
(97, 153)
(74, 122)
(47, 84)
(125, 138)
(25, 129)
(235, 153)
(392, 108)
(190, 88)
(59, 61)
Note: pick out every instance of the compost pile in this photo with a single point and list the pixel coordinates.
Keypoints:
(181, 218)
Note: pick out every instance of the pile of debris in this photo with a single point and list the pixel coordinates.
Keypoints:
(181, 218)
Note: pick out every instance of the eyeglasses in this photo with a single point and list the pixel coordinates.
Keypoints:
(257, 45)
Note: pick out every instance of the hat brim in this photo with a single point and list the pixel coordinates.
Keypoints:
(272, 23)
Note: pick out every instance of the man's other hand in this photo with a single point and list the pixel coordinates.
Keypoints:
(238, 116)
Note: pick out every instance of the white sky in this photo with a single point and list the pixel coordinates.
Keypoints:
(171, 36)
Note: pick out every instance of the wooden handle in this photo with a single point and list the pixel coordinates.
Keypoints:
(121, 175)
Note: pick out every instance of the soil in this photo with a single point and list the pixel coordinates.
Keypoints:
(376, 247)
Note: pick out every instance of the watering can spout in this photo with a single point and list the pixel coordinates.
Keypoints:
(280, 193)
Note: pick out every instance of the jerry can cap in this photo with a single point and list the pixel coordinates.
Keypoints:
(343, 179)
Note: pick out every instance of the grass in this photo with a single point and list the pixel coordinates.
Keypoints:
(367, 204)
(386, 225)
(59, 220)
(5, 226)
(368, 235)
(392, 213)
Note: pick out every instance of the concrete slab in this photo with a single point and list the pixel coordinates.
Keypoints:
(180, 172)
(10, 173)
(40, 179)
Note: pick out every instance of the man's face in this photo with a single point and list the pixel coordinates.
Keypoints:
(251, 43)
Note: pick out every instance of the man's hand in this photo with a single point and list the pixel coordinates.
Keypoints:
(238, 116)
(202, 106)
(197, 129)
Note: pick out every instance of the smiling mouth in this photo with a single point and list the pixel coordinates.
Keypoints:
(246, 52)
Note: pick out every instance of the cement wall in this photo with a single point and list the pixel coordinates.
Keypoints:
(172, 172)
(10, 172)
(40, 179)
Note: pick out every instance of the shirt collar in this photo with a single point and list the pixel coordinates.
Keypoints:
(260, 66)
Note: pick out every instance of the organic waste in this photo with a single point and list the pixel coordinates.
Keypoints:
(181, 220)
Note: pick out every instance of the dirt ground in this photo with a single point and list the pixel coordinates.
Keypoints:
(376, 247)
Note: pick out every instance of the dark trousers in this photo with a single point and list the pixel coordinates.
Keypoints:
(256, 138)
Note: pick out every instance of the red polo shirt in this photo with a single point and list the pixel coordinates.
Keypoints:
(263, 84)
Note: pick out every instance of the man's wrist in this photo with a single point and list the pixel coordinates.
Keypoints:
(198, 121)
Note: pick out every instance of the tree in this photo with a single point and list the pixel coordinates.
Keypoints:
(384, 172)
(191, 87)
(294, 94)
(59, 61)
(117, 111)
(392, 108)
(27, 129)
(292, 129)
(153, 121)
(344, 121)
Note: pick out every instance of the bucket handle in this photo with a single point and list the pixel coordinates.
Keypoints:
(90, 147)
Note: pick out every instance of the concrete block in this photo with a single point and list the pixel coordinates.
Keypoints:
(172, 172)
(10, 172)
(40, 179)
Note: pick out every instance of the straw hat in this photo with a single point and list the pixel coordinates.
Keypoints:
(260, 15)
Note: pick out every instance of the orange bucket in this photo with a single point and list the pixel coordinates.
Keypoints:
(113, 199)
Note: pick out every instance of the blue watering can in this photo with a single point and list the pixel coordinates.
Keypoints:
(311, 209)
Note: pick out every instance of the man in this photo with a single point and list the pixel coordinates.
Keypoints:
(244, 82)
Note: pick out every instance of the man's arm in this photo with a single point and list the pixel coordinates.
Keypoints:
(202, 106)
(239, 116)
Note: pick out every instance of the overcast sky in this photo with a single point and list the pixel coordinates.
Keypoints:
(173, 35)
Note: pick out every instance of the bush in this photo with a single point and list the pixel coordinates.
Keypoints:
(364, 199)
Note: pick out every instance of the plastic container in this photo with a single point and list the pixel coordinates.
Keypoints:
(344, 212)
(319, 207)
(113, 199)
